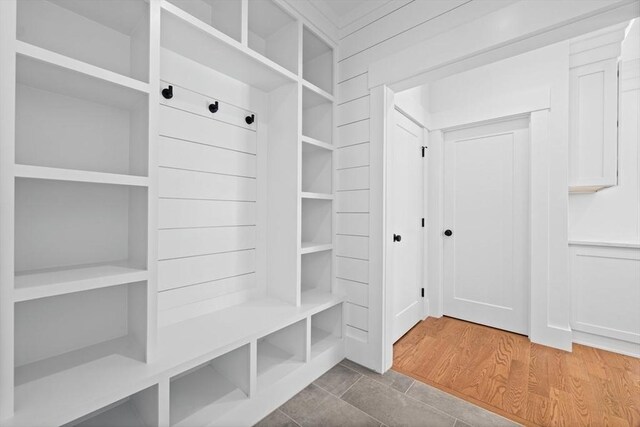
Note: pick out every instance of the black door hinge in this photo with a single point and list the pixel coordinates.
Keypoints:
(422, 292)
(423, 222)
(423, 148)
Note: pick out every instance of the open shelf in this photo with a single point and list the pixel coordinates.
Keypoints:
(316, 143)
(317, 170)
(316, 222)
(203, 394)
(310, 247)
(58, 281)
(280, 353)
(74, 175)
(138, 410)
(198, 41)
(110, 34)
(317, 116)
(326, 330)
(69, 121)
(317, 61)
(316, 273)
(273, 33)
(62, 332)
(61, 225)
(223, 15)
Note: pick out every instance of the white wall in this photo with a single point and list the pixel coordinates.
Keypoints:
(613, 214)
(604, 281)
(507, 87)
(605, 273)
(388, 29)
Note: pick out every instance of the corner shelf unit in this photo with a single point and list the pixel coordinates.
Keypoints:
(80, 300)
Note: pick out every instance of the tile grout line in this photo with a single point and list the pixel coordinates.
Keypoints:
(341, 399)
(392, 388)
(283, 413)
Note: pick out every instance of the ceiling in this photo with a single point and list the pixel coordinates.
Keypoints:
(344, 12)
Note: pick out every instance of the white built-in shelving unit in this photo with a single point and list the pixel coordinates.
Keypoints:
(167, 257)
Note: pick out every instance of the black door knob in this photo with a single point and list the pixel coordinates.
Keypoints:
(213, 107)
(397, 237)
(448, 233)
(250, 119)
(168, 92)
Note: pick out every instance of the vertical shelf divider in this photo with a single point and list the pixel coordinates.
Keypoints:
(8, 18)
(152, 192)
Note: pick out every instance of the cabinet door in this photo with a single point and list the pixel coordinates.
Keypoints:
(594, 128)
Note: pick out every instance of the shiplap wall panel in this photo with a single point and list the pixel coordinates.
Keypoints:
(352, 246)
(204, 291)
(352, 269)
(178, 183)
(406, 36)
(355, 87)
(208, 193)
(352, 156)
(180, 124)
(356, 334)
(185, 242)
(176, 273)
(355, 292)
(357, 316)
(180, 154)
(353, 133)
(392, 28)
(185, 213)
(355, 178)
(353, 111)
(412, 14)
(352, 201)
(354, 224)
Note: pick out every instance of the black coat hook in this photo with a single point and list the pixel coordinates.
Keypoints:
(250, 119)
(213, 107)
(168, 92)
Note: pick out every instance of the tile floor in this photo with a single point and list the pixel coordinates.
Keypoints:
(350, 395)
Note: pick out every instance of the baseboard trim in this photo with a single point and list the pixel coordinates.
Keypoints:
(553, 336)
(606, 343)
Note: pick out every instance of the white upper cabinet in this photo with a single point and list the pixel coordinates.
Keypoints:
(593, 115)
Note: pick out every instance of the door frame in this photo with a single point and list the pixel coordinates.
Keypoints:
(388, 241)
(527, 255)
(536, 104)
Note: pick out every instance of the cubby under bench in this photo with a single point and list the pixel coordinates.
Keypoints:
(250, 358)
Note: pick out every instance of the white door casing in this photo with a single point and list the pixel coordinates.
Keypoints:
(486, 207)
(405, 211)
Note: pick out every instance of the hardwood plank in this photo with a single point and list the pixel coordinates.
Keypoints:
(529, 383)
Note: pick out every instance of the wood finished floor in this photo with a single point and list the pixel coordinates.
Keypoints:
(528, 383)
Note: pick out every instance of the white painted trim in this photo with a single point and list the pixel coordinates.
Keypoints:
(609, 244)
(606, 343)
(499, 107)
(530, 26)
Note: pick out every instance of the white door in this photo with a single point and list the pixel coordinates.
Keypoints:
(405, 233)
(486, 224)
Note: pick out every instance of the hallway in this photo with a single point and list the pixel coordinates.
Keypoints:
(529, 383)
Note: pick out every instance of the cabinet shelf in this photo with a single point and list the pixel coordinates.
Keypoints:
(280, 353)
(112, 35)
(318, 91)
(203, 394)
(72, 175)
(190, 37)
(62, 61)
(52, 282)
(316, 144)
(312, 247)
(316, 196)
(322, 341)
